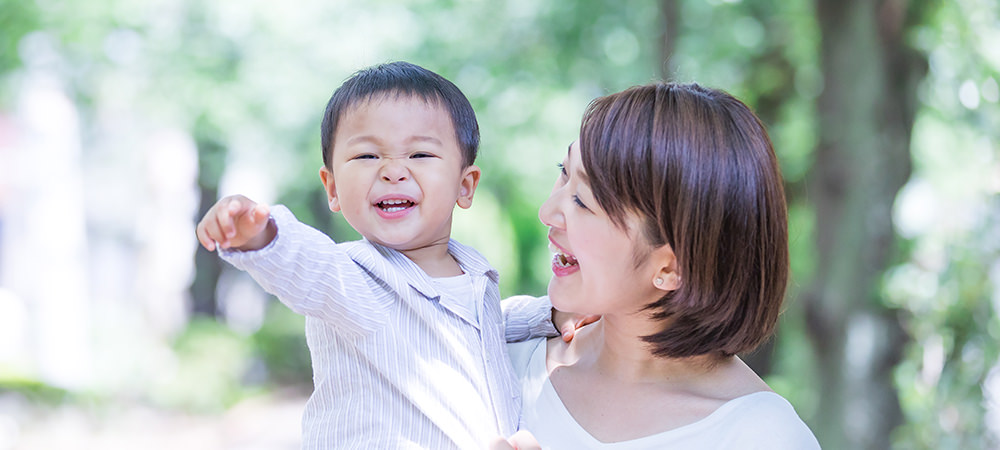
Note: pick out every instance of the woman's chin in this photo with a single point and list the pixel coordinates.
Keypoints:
(560, 298)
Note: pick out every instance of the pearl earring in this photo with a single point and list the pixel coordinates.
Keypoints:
(659, 281)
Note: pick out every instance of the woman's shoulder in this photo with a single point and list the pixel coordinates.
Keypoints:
(766, 419)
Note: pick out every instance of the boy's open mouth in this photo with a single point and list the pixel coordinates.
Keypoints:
(394, 205)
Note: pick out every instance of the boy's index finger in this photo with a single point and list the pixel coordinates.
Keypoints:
(234, 206)
(204, 238)
(225, 218)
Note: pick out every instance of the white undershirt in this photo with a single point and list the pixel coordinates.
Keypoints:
(455, 292)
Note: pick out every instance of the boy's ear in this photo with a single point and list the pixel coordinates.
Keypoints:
(667, 277)
(331, 188)
(467, 188)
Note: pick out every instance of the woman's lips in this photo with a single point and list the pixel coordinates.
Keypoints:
(563, 263)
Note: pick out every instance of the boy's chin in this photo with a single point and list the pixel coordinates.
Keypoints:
(399, 245)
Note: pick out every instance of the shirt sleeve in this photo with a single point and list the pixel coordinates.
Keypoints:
(768, 423)
(312, 275)
(527, 317)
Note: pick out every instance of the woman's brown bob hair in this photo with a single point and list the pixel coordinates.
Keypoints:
(698, 168)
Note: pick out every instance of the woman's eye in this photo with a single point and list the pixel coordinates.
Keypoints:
(562, 168)
(576, 199)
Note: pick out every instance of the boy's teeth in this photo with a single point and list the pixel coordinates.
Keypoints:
(394, 205)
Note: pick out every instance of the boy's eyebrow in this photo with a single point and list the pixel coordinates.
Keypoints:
(431, 139)
(376, 140)
(364, 138)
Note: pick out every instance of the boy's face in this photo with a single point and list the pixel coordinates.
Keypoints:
(397, 172)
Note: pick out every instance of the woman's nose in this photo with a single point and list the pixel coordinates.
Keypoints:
(549, 212)
(394, 171)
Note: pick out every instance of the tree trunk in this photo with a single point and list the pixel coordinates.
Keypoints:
(670, 30)
(866, 114)
(208, 266)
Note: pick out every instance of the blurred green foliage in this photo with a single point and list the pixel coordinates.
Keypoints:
(33, 390)
(211, 361)
(280, 345)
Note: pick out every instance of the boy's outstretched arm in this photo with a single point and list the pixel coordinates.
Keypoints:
(303, 267)
(238, 223)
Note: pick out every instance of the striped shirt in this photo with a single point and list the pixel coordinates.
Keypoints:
(395, 363)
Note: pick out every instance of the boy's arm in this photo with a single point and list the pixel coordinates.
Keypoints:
(527, 317)
(309, 273)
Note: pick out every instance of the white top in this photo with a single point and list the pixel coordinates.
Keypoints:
(395, 363)
(762, 420)
(456, 289)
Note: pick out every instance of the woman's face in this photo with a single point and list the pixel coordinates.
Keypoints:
(594, 267)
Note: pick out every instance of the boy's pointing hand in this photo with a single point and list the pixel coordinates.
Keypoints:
(238, 223)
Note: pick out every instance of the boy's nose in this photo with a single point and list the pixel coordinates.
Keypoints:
(394, 171)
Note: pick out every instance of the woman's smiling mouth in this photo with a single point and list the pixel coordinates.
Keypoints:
(562, 263)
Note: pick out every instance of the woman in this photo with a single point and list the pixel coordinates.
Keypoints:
(668, 220)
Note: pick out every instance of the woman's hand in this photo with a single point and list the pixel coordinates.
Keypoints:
(522, 440)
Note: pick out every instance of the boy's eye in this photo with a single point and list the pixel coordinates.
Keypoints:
(421, 155)
(365, 156)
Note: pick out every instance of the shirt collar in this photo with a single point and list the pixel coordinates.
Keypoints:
(470, 260)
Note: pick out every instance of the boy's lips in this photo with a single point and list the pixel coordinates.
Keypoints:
(394, 205)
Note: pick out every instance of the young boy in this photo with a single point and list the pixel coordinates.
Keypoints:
(404, 327)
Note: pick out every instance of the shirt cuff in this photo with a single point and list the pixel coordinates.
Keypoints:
(528, 317)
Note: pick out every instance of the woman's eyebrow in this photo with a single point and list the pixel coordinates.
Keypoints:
(579, 171)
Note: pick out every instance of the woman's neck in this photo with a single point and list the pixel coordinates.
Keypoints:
(613, 347)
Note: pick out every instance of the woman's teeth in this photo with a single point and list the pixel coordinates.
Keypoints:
(563, 260)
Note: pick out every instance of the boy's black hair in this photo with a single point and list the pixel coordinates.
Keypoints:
(402, 79)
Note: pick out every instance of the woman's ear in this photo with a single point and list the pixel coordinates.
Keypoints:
(326, 176)
(667, 277)
(467, 188)
(667, 281)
